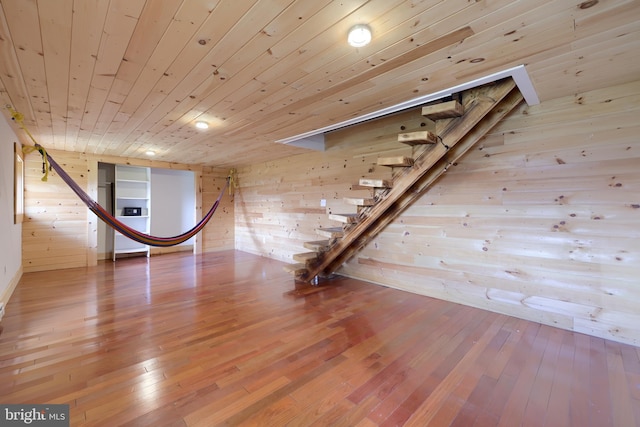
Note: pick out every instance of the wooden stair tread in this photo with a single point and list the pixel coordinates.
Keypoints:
(317, 245)
(344, 218)
(360, 201)
(305, 257)
(297, 269)
(416, 138)
(376, 183)
(330, 232)
(398, 161)
(443, 110)
(486, 108)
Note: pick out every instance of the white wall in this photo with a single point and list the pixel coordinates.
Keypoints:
(172, 202)
(10, 233)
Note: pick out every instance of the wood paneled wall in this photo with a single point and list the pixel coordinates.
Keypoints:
(54, 231)
(219, 234)
(279, 203)
(539, 220)
(60, 232)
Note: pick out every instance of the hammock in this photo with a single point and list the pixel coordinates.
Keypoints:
(119, 226)
(101, 213)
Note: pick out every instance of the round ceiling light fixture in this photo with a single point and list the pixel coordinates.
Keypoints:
(150, 153)
(202, 125)
(359, 35)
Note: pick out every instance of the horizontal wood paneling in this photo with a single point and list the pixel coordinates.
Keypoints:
(54, 232)
(219, 234)
(538, 221)
(278, 204)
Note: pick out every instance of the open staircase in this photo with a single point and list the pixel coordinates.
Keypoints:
(451, 129)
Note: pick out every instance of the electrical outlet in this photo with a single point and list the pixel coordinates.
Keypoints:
(323, 203)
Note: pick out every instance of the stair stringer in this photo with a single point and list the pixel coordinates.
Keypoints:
(483, 112)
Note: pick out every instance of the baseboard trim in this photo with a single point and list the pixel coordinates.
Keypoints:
(6, 294)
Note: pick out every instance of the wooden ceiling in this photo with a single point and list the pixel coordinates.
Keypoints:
(120, 77)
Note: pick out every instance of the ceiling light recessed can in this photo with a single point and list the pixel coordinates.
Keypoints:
(202, 125)
(359, 35)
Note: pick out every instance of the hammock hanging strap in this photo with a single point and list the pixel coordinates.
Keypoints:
(119, 226)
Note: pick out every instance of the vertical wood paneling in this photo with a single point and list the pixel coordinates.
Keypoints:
(538, 221)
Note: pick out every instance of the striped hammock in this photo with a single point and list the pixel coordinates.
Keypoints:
(119, 226)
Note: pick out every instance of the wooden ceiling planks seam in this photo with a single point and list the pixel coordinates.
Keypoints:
(55, 23)
(11, 81)
(152, 28)
(445, 62)
(119, 25)
(88, 17)
(175, 133)
(449, 10)
(188, 19)
(306, 105)
(24, 28)
(339, 74)
(179, 105)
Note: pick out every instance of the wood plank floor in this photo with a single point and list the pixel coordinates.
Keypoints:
(214, 340)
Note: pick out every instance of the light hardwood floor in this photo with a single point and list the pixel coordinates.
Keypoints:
(215, 339)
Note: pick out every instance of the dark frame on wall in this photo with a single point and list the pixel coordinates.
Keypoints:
(18, 187)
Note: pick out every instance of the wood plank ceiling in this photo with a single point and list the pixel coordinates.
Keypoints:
(121, 77)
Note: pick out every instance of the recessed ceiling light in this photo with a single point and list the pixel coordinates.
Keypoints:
(359, 35)
(150, 153)
(202, 125)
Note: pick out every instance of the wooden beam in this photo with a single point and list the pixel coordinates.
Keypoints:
(376, 183)
(306, 257)
(359, 201)
(397, 161)
(416, 138)
(330, 232)
(443, 110)
(317, 245)
(344, 218)
(298, 269)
